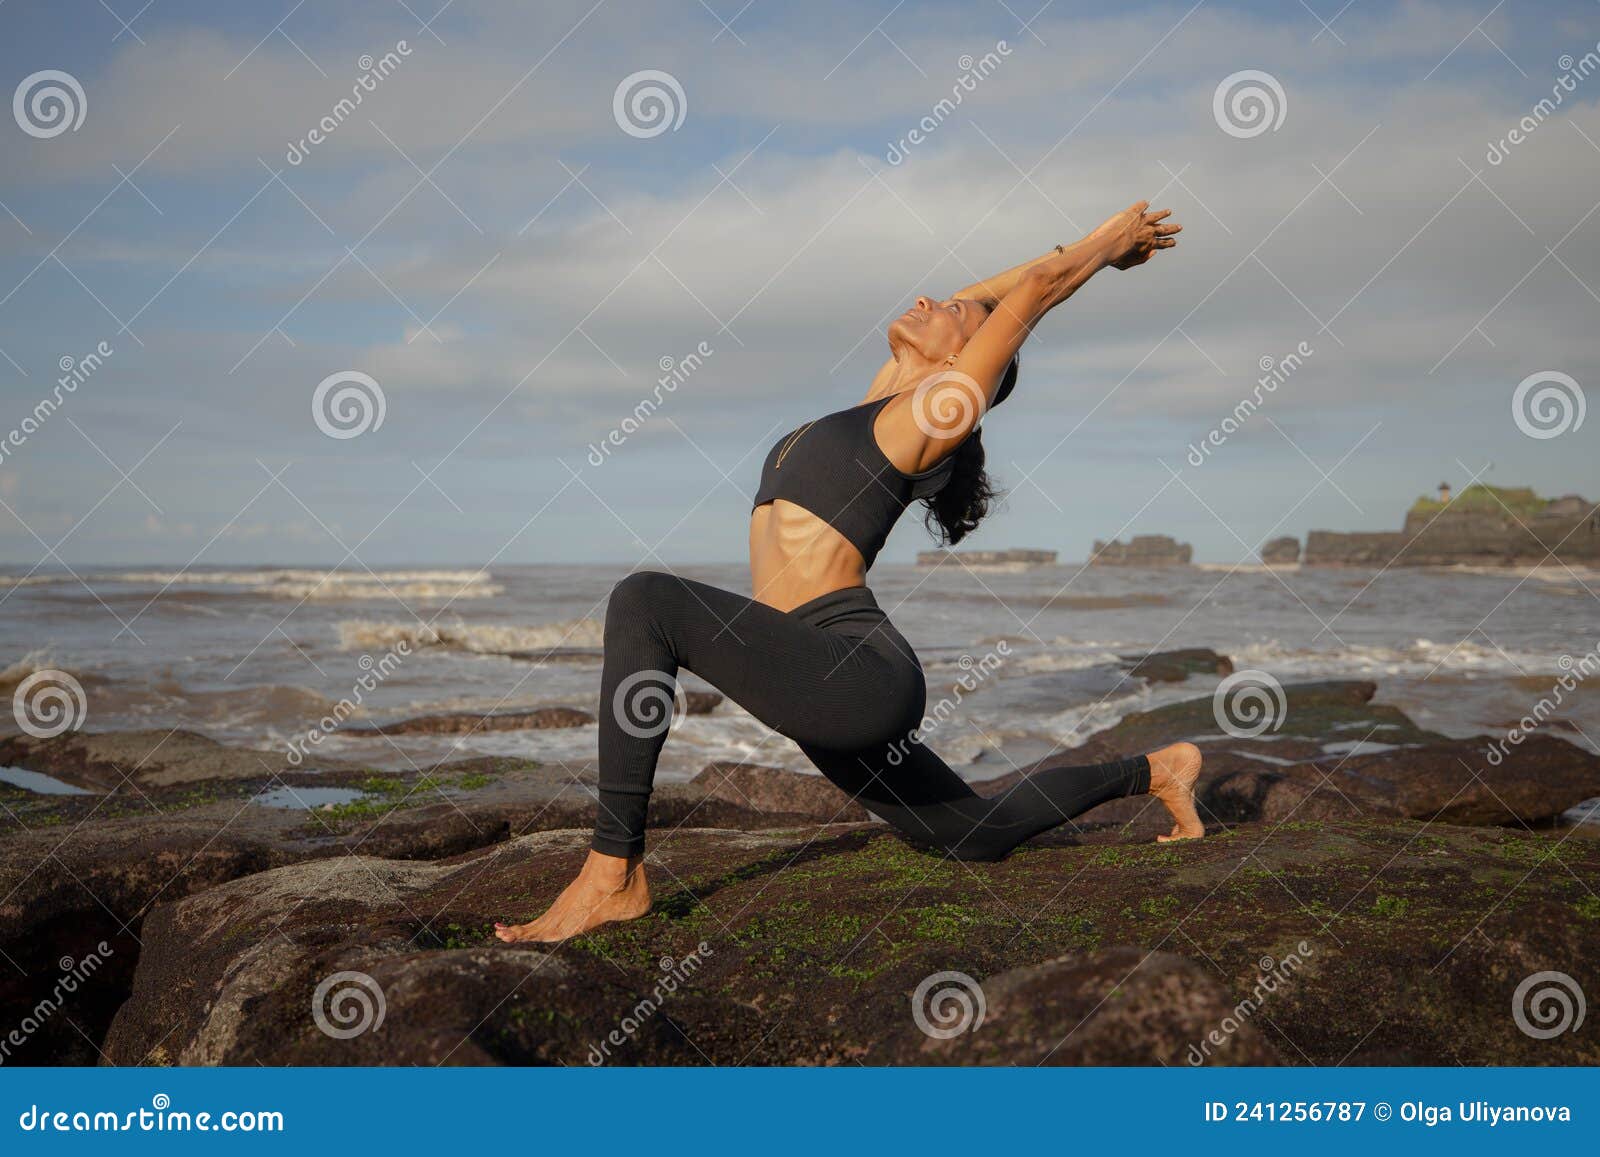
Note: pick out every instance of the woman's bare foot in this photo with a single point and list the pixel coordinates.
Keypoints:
(1173, 771)
(607, 888)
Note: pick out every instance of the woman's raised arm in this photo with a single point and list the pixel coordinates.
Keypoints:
(946, 407)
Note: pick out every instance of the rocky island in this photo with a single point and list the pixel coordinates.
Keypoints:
(1481, 526)
(1142, 550)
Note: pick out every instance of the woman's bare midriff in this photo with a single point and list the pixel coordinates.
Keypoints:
(796, 557)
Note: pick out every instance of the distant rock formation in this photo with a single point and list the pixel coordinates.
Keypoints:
(1006, 558)
(1142, 550)
(1481, 526)
(1283, 551)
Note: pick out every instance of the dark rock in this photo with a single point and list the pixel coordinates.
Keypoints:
(1533, 782)
(776, 791)
(106, 761)
(1176, 666)
(1291, 773)
(1283, 551)
(701, 702)
(468, 722)
(1142, 550)
(1115, 1006)
(1410, 941)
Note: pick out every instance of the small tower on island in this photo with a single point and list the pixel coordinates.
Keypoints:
(1444, 494)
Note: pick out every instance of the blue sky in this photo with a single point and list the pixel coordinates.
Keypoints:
(483, 239)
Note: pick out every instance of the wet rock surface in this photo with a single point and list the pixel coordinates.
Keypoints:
(469, 722)
(1391, 942)
(1403, 857)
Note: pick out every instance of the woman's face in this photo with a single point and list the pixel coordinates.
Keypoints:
(936, 330)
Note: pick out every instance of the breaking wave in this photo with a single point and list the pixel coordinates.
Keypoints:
(298, 584)
(480, 638)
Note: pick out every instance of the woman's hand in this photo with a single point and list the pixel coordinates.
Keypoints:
(1132, 235)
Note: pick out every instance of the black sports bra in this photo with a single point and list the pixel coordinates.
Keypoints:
(832, 467)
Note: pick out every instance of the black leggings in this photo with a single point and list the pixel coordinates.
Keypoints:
(836, 677)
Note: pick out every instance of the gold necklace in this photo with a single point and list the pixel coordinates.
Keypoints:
(789, 445)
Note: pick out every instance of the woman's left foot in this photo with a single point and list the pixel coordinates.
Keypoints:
(1173, 771)
(608, 888)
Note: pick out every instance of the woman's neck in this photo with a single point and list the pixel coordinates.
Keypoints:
(910, 370)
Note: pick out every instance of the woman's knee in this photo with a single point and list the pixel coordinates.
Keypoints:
(638, 593)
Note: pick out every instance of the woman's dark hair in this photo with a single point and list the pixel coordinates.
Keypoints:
(956, 509)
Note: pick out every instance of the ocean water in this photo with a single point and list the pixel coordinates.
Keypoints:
(259, 655)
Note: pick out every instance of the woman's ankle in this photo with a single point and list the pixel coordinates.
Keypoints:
(612, 871)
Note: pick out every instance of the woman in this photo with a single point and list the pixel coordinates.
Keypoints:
(812, 656)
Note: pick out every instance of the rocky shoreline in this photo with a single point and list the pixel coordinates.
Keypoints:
(1413, 882)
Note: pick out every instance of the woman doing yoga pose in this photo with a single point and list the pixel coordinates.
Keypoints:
(811, 655)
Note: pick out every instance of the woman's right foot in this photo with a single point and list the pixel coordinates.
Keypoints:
(1173, 771)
